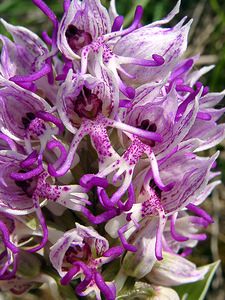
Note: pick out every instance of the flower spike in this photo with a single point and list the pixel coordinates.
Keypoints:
(102, 124)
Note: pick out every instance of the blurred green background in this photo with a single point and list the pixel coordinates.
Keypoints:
(207, 37)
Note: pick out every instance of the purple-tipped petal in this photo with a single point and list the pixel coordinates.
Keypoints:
(69, 275)
(200, 212)
(118, 23)
(107, 291)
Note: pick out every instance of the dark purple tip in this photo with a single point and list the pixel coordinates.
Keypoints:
(114, 252)
(182, 107)
(30, 86)
(214, 165)
(205, 90)
(108, 292)
(158, 59)
(66, 5)
(187, 251)
(184, 88)
(60, 77)
(204, 116)
(125, 103)
(130, 92)
(138, 15)
(118, 23)
(189, 64)
(200, 212)
(182, 69)
(198, 85)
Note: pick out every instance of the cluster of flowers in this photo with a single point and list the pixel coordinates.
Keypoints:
(100, 179)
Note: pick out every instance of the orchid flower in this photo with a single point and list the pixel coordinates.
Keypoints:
(153, 201)
(79, 253)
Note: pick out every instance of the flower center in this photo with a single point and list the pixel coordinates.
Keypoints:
(33, 125)
(146, 125)
(87, 105)
(77, 253)
(27, 186)
(77, 38)
(28, 119)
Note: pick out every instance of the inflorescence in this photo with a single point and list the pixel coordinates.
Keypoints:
(101, 129)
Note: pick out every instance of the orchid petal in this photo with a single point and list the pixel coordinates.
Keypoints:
(175, 270)
(140, 263)
(138, 43)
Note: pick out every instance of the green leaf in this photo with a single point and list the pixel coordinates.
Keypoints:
(198, 290)
(143, 294)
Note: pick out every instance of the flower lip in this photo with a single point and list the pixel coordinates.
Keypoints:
(27, 186)
(146, 125)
